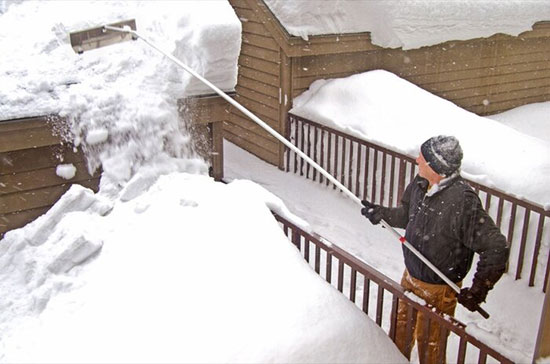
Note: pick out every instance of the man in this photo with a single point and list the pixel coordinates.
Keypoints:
(443, 219)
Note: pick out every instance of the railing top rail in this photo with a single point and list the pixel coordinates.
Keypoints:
(450, 323)
(533, 206)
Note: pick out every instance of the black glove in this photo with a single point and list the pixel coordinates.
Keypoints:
(472, 297)
(372, 212)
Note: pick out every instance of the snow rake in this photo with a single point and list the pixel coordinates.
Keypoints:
(126, 30)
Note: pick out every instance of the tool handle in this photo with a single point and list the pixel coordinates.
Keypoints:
(482, 312)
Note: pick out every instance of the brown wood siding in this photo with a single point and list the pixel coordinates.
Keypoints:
(29, 185)
(485, 76)
(258, 87)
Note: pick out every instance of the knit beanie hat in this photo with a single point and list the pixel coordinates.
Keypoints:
(443, 154)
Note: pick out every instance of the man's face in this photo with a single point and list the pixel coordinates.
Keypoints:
(424, 169)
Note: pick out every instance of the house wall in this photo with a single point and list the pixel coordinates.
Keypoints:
(29, 154)
(258, 87)
(485, 76)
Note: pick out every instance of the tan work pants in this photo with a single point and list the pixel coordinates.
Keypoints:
(440, 296)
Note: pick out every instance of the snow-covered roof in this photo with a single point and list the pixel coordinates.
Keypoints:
(410, 23)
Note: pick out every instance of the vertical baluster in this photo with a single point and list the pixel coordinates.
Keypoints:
(512, 222)
(336, 154)
(329, 157)
(350, 165)
(317, 258)
(321, 176)
(302, 148)
(343, 162)
(358, 169)
(383, 179)
(412, 314)
(306, 249)
(315, 159)
(392, 180)
(366, 175)
(462, 350)
(538, 240)
(374, 170)
(393, 317)
(379, 305)
(340, 275)
(307, 148)
(353, 285)
(366, 295)
(499, 211)
(328, 272)
(522, 243)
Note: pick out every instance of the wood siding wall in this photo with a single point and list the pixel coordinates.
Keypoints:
(29, 155)
(258, 87)
(485, 76)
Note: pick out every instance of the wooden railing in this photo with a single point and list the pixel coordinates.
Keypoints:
(380, 175)
(378, 296)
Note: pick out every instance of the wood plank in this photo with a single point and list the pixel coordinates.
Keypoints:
(41, 197)
(497, 71)
(261, 53)
(332, 64)
(242, 128)
(254, 95)
(25, 181)
(270, 91)
(204, 109)
(36, 158)
(497, 91)
(252, 27)
(252, 148)
(29, 138)
(239, 118)
(259, 64)
(264, 112)
(262, 139)
(238, 3)
(259, 76)
(19, 219)
(260, 41)
(22, 124)
(500, 106)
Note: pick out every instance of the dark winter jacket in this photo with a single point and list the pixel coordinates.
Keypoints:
(447, 225)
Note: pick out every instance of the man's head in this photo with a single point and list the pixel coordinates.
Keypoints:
(442, 154)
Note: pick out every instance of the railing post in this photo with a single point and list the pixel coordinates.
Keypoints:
(542, 346)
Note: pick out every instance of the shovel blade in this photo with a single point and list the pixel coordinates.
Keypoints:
(93, 38)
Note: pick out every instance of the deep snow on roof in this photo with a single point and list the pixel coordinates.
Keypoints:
(410, 23)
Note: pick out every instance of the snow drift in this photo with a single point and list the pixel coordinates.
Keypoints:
(380, 107)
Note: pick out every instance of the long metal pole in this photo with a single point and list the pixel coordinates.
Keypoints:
(292, 147)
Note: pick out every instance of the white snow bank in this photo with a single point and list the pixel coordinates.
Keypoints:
(190, 270)
(380, 107)
(531, 119)
(410, 23)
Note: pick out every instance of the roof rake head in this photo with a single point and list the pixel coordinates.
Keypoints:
(102, 36)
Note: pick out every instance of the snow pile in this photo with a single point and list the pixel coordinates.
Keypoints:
(380, 107)
(176, 274)
(120, 100)
(410, 23)
(531, 119)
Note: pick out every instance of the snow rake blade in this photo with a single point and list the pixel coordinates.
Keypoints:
(102, 36)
